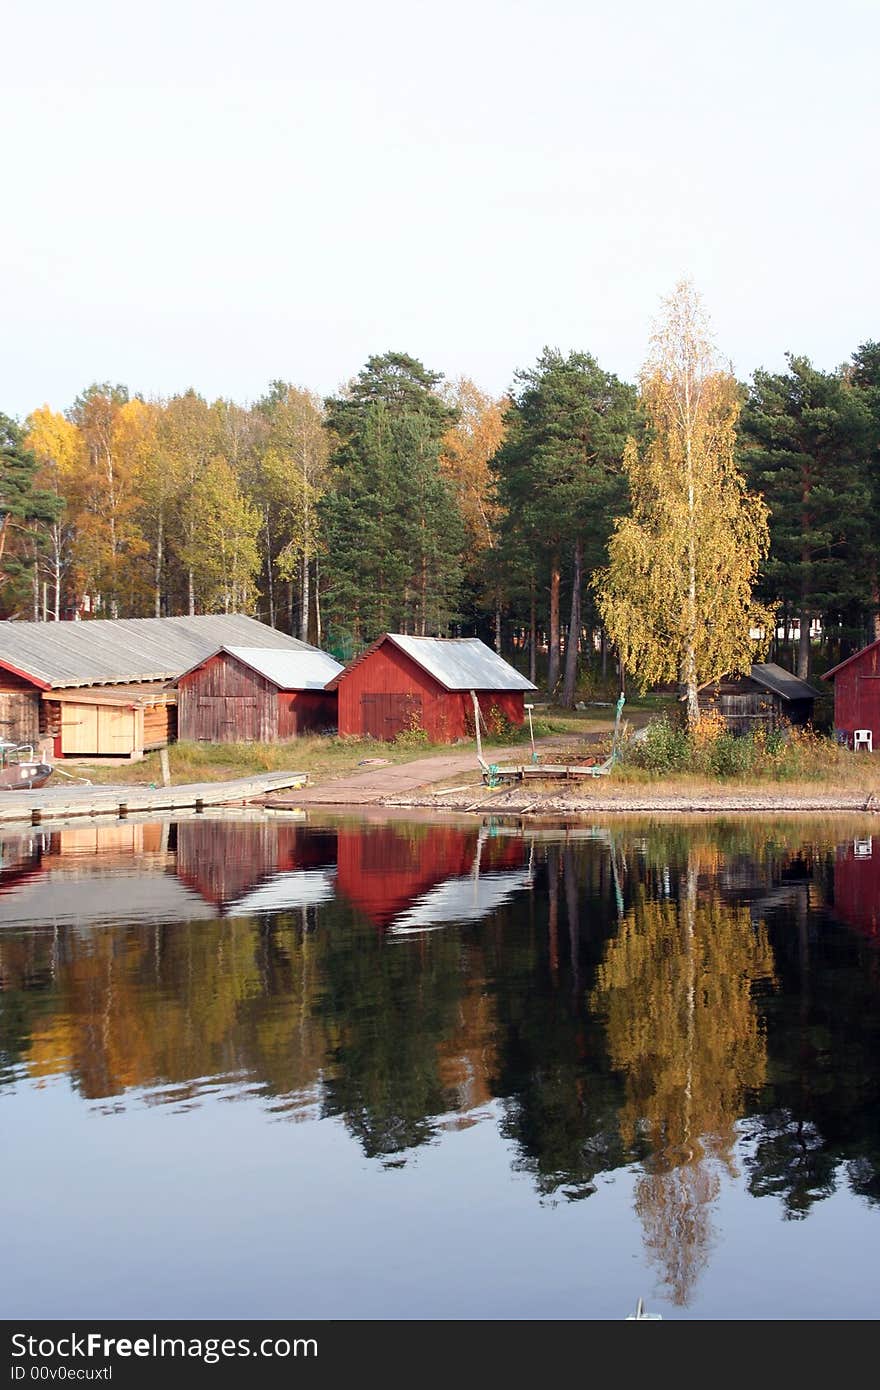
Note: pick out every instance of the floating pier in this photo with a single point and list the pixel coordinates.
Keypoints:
(62, 803)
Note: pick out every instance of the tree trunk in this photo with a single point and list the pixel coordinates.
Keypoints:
(191, 591)
(317, 606)
(56, 541)
(604, 638)
(803, 661)
(498, 628)
(553, 662)
(36, 584)
(533, 636)
(305, 600)
(270, 586)
(158, 574)
(875, 603)
(572, 646)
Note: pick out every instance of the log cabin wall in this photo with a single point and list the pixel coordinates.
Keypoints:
(224, 701)
(19, 709)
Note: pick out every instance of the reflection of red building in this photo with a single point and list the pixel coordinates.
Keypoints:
(857, 886)
(222, 860)
(384, 869)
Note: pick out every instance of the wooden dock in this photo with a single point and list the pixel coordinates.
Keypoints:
(61, 803)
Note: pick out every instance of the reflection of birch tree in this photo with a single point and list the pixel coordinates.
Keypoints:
(675, 987)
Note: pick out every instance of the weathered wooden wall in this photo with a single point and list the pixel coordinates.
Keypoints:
(19, 709)
(224, 701)
(386, 693)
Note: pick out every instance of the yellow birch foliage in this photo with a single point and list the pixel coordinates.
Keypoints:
(676, 595)
(223, 553)
(467, 451)
(675, 988)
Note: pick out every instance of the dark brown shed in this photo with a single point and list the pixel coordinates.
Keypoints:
(256, 694)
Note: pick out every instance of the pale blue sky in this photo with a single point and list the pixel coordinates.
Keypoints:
(215, 194)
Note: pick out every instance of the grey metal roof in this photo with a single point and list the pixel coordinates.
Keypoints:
(107, 651)
(289, 670)
(462, 663)
(782, 682)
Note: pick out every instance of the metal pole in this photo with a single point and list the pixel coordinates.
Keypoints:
(532, 733)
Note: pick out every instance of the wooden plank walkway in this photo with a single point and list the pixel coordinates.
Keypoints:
(54, 803)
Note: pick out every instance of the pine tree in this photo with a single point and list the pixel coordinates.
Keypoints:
(22, 504)
(561, 479)
(803, 445)
(393, 530)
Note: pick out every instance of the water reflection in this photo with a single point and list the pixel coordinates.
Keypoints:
(699, 1002)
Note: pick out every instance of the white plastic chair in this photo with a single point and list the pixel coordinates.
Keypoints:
(862, 739)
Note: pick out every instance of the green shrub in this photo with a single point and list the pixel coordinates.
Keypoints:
(665, 748)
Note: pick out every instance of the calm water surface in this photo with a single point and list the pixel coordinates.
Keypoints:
(264, 1068)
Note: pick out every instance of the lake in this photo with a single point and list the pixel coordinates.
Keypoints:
(266, 1067)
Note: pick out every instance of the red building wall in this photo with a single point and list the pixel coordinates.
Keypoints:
(857, 694)
(386, 692)
(305, 711)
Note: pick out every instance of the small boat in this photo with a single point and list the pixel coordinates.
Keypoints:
(20, 770)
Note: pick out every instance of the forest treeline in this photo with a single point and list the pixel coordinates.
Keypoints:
(412, 503)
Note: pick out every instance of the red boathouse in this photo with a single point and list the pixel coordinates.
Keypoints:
(857, 693)
(257, 694)
(405, 683)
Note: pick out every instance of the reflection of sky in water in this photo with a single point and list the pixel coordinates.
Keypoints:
(637, 1063)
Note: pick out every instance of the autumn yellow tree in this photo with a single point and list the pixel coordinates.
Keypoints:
(467, 450)
(109, 545)
(290, 478)
(676, 990)
(223, 556)
(59, 448)
(676, 594)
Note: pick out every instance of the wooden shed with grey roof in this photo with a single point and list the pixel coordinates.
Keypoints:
(108, 686)
(769, 696)
(263, 694)
(402, 684)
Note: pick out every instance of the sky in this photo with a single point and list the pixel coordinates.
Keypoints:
(216, 195)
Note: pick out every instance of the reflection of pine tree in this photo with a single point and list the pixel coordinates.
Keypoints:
(676, 990)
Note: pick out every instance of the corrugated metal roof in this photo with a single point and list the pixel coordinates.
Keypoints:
(302, 670)
(782, 682)
(107, 651)
(462, 663)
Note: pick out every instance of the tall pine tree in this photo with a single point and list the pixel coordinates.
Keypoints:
(803, 442)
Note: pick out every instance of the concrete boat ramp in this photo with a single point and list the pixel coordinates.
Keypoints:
(61, 803)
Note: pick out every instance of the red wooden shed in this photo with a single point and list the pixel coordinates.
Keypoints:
(259, 694)
(402, 683)
(857, 693)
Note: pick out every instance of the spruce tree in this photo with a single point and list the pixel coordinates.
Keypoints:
(803, 443)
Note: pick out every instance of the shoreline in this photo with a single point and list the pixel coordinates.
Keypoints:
(753, 800)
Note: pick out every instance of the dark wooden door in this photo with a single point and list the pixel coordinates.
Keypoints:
(228, 718)
(387, 715)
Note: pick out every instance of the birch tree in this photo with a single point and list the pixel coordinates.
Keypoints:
(676, 594)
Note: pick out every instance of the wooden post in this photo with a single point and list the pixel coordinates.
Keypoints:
(477, 727)
(166, 771)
